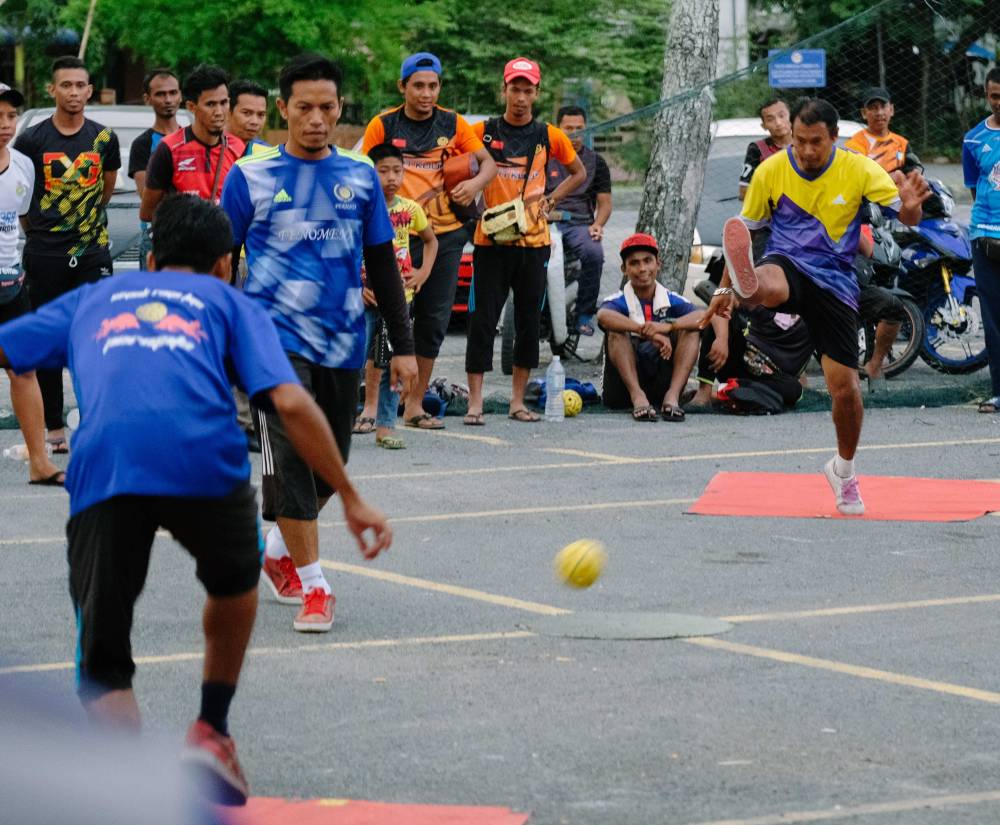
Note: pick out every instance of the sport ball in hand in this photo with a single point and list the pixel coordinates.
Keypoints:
(572, 402)
(580, 563)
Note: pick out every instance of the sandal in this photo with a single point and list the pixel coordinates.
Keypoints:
(364, 426)
(672, 413)
(424, 421)
(390, 442)
(474, 420)
(524, 415)
(647, 413)
(990, 405)
(59, 445)
(57, 479)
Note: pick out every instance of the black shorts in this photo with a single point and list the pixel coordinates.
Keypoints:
(109, 549)
(289, 489)
(49, 276)
(432, 305)
(16, 307)
(832, 324)
(877, 303)
(653, 371)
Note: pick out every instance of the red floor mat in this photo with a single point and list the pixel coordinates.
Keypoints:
(887, 498)
(267, 811)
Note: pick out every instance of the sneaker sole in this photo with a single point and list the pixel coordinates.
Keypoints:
(843, 509)
(217, 783)
(296, 600)
(736, 249)
(312, 627)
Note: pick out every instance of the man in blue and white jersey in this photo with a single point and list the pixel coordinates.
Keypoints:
(981, 162)
(307, 215)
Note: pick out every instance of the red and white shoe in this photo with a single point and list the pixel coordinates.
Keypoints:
(316, 615)
(218, 771)
(282, 579)
(737, 249)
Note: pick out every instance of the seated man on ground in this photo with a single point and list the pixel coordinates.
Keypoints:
(762, 348)
(652, 338)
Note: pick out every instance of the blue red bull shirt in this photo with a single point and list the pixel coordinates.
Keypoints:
(153, 355)
(981, 163)
(304, 224)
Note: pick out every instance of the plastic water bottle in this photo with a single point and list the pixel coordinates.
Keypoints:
(19, 452)
(555, 383)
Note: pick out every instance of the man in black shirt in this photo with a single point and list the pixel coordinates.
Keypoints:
(583, 213)
(76, 162)
(162, 91)
(774, 117)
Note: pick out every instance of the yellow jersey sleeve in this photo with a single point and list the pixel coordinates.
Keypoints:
(879, 187)
(419, 223)
(757, 203)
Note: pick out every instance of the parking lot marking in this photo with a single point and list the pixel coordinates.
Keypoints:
(613, 459)
(848, 812)
(847, 669)
(195, 656)
(439, 587)
(482, 439)
(860, 608)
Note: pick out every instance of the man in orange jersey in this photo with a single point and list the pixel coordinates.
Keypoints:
(428, 135)
(890, 151)
(522, 148)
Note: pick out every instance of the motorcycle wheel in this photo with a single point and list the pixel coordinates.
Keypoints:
(951, 350)
(908, 341)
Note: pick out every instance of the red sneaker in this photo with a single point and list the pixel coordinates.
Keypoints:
(737, 249)
(282, 579)
(316, 615)
(219, 773)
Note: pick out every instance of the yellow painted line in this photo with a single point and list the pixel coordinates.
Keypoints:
(848, 670)
(482, 439)
(859, 609)
(851, 811)
(614, 459)
(450, 589)
(529, 511)
(323, 647)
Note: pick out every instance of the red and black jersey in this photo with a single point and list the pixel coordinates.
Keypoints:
(183, 164)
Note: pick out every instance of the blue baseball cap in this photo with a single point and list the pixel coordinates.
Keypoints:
(420, 62)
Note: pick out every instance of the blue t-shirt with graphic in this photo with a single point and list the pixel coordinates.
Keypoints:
(304, 224)
(153, 355)
(981, 164)
(677, 307)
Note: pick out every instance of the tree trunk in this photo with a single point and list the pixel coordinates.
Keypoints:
(681, 135)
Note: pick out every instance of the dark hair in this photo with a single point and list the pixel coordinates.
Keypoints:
(767, 104)
(245, 87)
(69, 61)
(992, 76)
(381, 151)
(813, 110)
(570, 111)
(154, 73)
(309, 66)
(203, 78)
(190, 231)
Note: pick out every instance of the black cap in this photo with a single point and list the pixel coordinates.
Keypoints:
(875, 93)
(12, 96)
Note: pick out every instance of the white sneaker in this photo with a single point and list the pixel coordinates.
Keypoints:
(846, 490)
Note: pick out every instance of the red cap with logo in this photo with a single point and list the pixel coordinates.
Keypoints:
(522, 67)
(640, 240)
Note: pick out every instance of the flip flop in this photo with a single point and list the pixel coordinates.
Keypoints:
(990, 405)
(524, 415)
(647, 413)
(390, 442)
(424, 421)
(59, 446)
(53, 480)
(672, 413)
(364, 426)
(474, 420)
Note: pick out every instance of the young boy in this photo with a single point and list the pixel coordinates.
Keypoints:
(406, 216)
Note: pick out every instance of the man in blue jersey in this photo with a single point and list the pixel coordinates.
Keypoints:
(981, 162)
(307, 215)
(812, 196)
(153, 354)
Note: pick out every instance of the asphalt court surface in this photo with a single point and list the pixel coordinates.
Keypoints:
(859, 682)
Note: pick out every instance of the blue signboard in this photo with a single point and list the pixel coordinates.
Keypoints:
(800, 69)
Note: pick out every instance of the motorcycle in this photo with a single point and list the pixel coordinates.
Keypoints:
(937, 260)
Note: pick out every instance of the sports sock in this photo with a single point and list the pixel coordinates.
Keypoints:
(842, 467)
(274, 544)
(215, 700)
(312, 577)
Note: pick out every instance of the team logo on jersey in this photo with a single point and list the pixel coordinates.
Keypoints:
(282, 197)
(152, 313)
(60, 171)
(186, 165)
(994, 177)
(343, 193)
(20, 190)
(442, 141)
(839, 201)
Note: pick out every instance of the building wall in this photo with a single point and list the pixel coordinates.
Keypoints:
(734, 49)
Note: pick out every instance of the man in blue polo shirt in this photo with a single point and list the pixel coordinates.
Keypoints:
(151, 355)
(981, 162)
(307, 214)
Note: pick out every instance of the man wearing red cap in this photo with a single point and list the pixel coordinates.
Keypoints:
(652, 338)
(515, 257)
